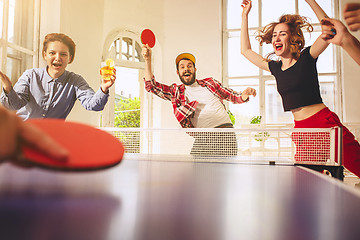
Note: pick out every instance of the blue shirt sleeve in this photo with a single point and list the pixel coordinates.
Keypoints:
(18, 96)
(90, 100)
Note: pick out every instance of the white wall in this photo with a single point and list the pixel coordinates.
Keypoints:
(180, 26)
(191, 26)
(135, 16)
(83, 22)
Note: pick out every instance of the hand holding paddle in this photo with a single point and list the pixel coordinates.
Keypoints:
(148, 41)
(14, 130)
(60, 145)
(89, 148)
(146, 52)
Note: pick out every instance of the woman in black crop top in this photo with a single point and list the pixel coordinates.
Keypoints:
(297, 78)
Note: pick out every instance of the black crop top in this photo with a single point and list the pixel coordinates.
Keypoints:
(298, 85)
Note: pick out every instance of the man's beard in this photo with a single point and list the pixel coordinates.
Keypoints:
(191, 81)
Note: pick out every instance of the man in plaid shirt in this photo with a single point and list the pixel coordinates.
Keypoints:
(196, 103)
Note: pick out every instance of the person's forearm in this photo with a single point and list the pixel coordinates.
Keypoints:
(352, 46)
(104, 89)
(148, 70)
(319, 12)
(244, 36)
(13, 100)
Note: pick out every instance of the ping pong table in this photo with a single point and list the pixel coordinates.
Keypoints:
(154, 200)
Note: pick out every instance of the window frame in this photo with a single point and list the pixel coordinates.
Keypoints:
(108, 115)
(23, 52)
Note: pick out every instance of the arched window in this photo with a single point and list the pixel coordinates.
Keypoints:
(124, 108)
(126, 49)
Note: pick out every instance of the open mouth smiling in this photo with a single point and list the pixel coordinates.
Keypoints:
(278, 47)
(187, 74)
(57, 64)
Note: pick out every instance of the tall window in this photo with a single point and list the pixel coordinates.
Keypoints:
(19, 25)
(239, 73)
(125, 50)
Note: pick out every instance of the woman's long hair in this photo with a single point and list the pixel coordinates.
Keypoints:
(297, 41)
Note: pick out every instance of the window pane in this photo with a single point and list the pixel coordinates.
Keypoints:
(11, 21)
(1, 14)
(238, 64)
(127, 82)
(245, 111)
(126, 48)
(305, 9)
(127, 97)
(21, 23)
(114, 49)
(234, 11)
(272, 10)
(326, 61)
(243, 82)
(16, 63)
(13, 69)
(273, 105)
(310, 37)
(267, 48)
(327, 90)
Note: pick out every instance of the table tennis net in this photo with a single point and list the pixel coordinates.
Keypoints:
(255, 144)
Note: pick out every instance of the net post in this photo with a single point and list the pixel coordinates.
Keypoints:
(340, 145)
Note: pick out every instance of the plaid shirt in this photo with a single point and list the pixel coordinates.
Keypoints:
(183, 109)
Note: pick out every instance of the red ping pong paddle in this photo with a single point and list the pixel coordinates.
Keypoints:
(148, 37)
(89, 148)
